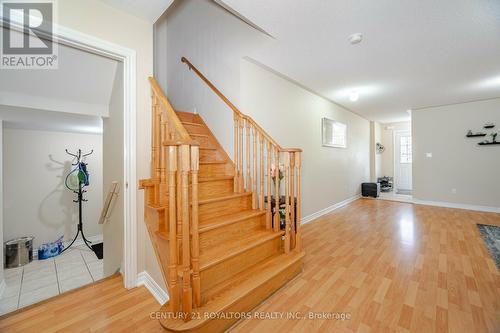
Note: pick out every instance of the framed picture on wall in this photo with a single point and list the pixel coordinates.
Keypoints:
(334, 133)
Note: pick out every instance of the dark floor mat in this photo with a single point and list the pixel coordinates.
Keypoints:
(98, 250)
(491, 237)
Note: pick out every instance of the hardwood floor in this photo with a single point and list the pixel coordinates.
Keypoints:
(392, 267)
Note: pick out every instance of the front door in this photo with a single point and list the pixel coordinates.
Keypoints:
(403, 162)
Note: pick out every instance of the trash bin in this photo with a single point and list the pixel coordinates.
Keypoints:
(18, 252)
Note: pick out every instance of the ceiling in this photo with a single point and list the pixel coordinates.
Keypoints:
(149, 10)
(82, 83)
(414, 54)
(72, 98)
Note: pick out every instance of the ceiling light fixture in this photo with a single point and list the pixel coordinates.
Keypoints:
(355, 38)
(354, 96)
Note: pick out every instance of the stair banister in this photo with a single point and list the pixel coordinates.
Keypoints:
(247, 169)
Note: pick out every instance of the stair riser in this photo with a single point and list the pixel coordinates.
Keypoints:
(224, 207)
(194, 129)
(211, 170)
(215, 188)
(204, 141)
(230, 232)
(230, 267)
(188, 117)
(211, 156)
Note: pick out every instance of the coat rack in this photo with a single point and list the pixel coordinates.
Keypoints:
(81, 168)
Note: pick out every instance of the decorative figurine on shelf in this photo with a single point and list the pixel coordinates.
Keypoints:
(493, 137)
(469, 133)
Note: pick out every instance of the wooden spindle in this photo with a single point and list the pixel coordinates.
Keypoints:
(248, 186)
(262, 171)
(298, 241)
(240, 160)
(287, 201)
(292, 200)
(187, 294)
(236, 153)
(277, 221)
(179, 207)
(269, 183)
(195, 243)
(254, 169)
(172, 235)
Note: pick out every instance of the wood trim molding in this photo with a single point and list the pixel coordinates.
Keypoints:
(144, 279)
(327, 210)
(89, 43)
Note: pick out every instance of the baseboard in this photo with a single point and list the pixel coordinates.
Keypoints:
(78, 242)
(314, 216)
(456, 205)
(144, 279)
(3, 285)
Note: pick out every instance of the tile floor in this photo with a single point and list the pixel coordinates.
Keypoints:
(43, 279)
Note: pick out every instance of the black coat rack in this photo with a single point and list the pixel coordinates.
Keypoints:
(79, 156)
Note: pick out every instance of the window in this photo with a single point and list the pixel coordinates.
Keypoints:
(405, 153)
(334, 133)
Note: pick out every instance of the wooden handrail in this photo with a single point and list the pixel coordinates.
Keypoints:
(172, 116)
(235, 109)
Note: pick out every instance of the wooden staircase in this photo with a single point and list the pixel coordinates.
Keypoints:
(209, 221)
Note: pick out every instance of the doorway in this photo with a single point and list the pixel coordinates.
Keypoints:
(403, 160)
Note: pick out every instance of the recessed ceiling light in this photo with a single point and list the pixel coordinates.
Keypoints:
(355, 38)
(354, 96)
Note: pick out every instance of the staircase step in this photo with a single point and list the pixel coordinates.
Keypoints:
(188, 117)
(215, 187)
(224, 205)
(239, 294)
(226, 228)
(203, 140)
(225, 260)
(195, 128)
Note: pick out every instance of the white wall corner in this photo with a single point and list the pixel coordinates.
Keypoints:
(318, 214)
(3, 285)
(144, 279)
(457, 205)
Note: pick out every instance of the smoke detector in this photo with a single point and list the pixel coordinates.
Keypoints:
(355, 38)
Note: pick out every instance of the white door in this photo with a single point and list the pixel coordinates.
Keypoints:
(403, 161)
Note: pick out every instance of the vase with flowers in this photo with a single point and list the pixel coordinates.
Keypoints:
(280, 173)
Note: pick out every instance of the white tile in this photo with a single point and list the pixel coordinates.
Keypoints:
(9, 272)
(89, 256)
(11, 290)
(95, 265)
(8, 304)
(75, 282)
(36, 265)
(38, 283)
(97, 274)
(69, 257)
(67, 272)
(38, 295)
(39, 274)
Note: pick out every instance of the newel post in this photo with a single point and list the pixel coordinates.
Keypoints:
(195, 243)
(187, 295)
(172, 233)
(298, 241)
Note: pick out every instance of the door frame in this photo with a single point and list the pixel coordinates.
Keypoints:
(395, 150)
(127, 56)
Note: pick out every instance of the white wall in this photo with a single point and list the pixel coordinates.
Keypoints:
(457, 162)
(102, 21)
(387, 138)
(292, 115)
(113, 148)
(36, 202)
(375, 158)
(1, 205)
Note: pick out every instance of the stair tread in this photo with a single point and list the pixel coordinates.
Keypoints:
(192, 124)
(214, 162)
(241, 285)
(201, 135)
(224, 220)
(220, 253)
(224, 197)
(214, 178)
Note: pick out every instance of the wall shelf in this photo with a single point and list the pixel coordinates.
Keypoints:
(488, 143)
(475, 135)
